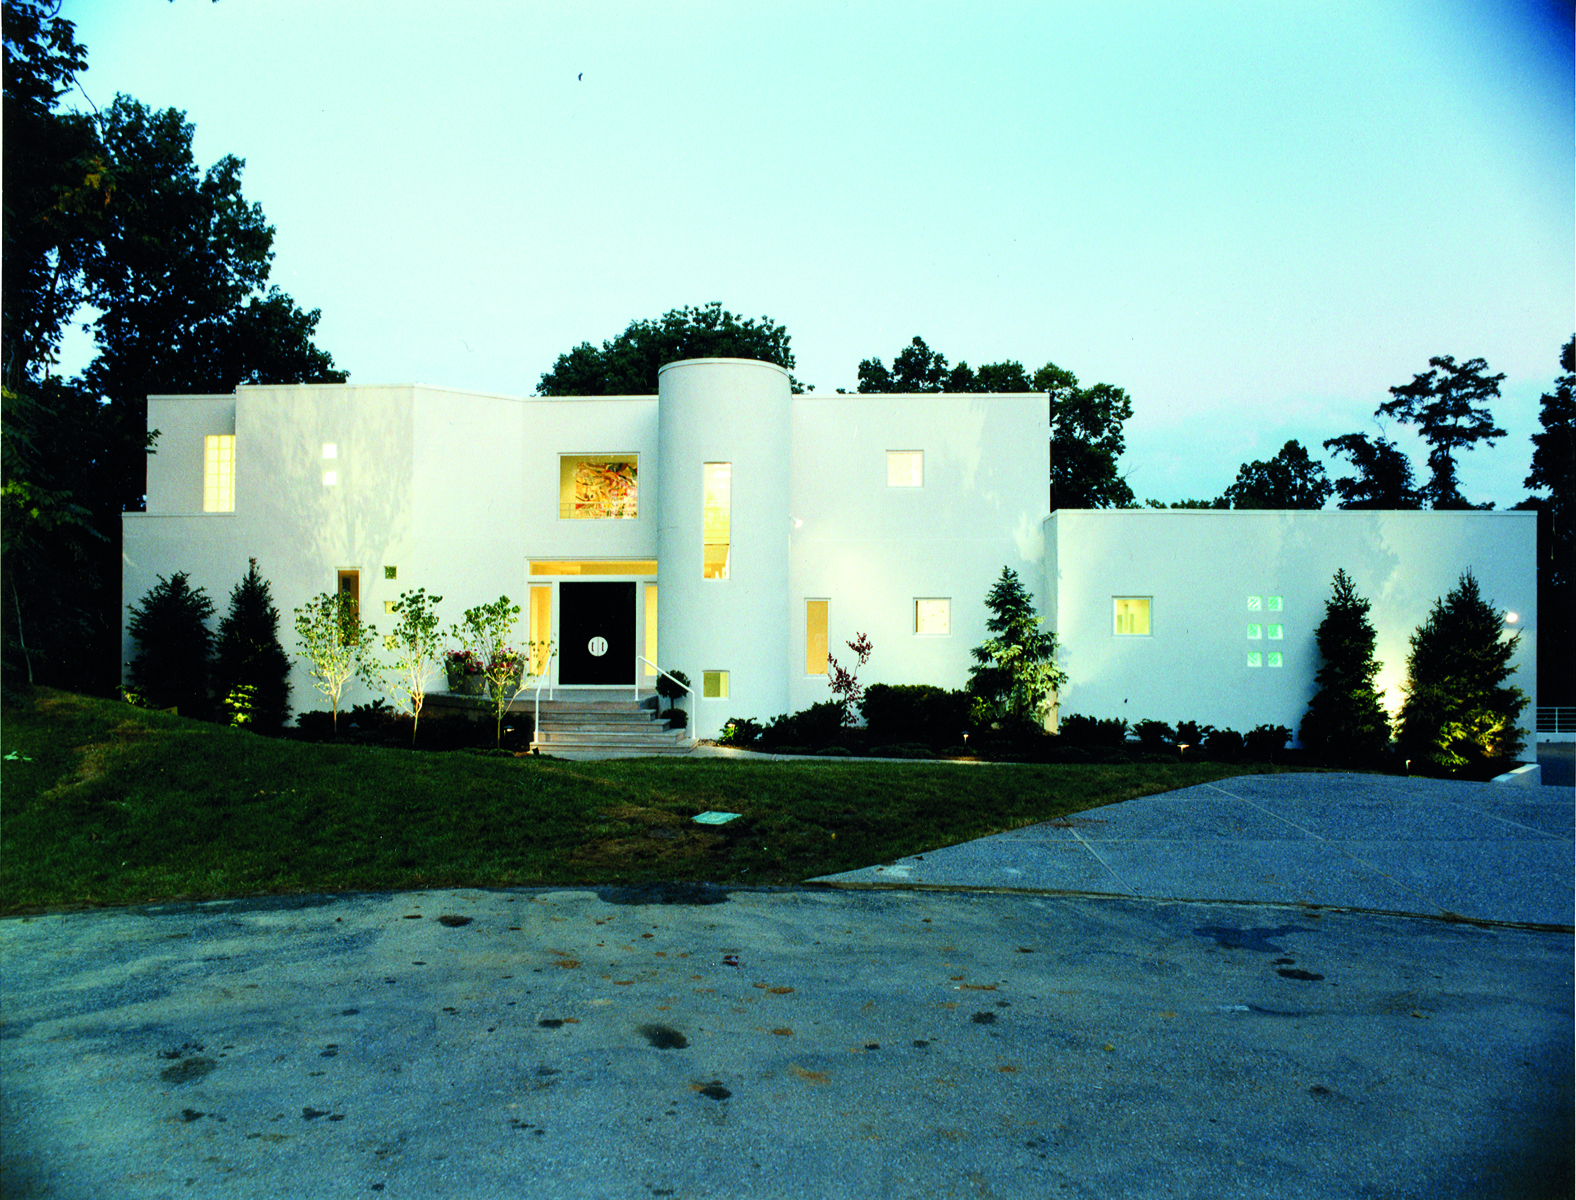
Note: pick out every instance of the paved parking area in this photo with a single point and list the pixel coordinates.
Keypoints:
(1193, 1022)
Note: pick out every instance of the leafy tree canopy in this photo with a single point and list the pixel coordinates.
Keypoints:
(1289, 480)
(628, 364)
(1449, 405)
(1087, 437)
(1384, 474)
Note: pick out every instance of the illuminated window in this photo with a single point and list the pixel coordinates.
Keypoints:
(1255, 632)
(1255, 603)
(218, 473)
(714, 685)
(716, 509)
(330, 478)
(1255, 659)
(388, 605)
(594, 566)
(330, 450)
(1272, 603)
(1274, 632)
(1131, 616)
(541, 627)
(651, 631)
(905, 468)
(1275, 658)
(350, 588)
(598, 487)
(933, 618)
(815, 637)
(390, 572)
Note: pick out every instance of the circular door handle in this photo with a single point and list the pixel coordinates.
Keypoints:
(597, 646)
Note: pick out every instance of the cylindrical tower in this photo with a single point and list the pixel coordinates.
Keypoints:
(723, 431)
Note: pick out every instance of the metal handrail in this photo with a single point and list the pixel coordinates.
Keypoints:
(546, 677)
(640, 658)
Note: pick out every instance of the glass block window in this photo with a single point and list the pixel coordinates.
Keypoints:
(218, 473)
(390, 572)
(1255, 603)
(1255, 658)
(598, 487)
(1131, 616)
(1275, 632)
(905, 468)
(1255, 632)
(933, 618)
(330, 449)
(1275, 658)
(716, 518)
(1272, 603)
(330, 478)
(714, 685)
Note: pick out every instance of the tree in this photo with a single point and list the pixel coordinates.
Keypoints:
(1384, 474)
(1461, 711)
(1086, 423)
(1448, 404)
(334, 641)
(1346, 719)
(174, 644)
(487, 631)
(1554, 469)
(1015, 670)
(844, 683)
(249, 656)
(628, 364)
(1289, 480)
(414, 646)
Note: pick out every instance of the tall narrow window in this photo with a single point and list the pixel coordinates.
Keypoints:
(815, 637)
(717, 504)
(350, 589)
(651, 632)
(218, 472)
(1132, 616)
(905, 468)
(541, 627)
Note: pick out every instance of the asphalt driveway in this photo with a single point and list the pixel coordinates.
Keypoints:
(1256, 991)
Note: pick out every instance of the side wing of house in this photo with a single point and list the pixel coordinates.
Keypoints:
(1210, 616)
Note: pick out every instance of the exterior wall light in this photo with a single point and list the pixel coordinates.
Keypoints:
(1511, 618)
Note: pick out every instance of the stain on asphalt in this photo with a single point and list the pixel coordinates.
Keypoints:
(714, 1090)
(663, 1038)
(983, 1018)
(1293, 973)
(452, 921)
(1256, 939)
(188, 1070)
(664, 893)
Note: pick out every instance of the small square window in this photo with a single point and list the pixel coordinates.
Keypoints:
(330, 450)
(1255, 659)
(1131, 616)
(388, 606)
(390, 572)
(1275, 658)
(933, 618)
(1274, 632)
(1255, 632)
(1255, 603)
(330, 478)
(1273, 603)
(714, 685)
(905, 468)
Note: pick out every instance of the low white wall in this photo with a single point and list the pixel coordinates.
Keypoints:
(1200, 567)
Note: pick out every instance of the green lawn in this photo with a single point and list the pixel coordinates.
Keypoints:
(109, 804)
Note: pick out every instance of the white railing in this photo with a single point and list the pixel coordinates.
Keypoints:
(641, 659)
(1556, 720)
(543, 680)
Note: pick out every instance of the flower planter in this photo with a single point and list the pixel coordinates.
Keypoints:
(461, 683)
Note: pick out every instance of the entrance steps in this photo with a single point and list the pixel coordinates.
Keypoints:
(605, 727)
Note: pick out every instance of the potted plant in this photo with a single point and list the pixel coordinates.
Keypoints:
(465, 672)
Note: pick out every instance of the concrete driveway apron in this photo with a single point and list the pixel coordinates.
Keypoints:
(1218, 992)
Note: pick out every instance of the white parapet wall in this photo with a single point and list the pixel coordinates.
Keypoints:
(1224, 587)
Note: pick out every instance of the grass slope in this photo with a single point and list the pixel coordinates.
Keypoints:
(109, 804)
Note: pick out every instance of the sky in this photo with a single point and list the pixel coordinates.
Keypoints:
(1255, 217)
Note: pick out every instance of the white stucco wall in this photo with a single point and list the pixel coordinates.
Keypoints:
(1200, 567)
(871, 550)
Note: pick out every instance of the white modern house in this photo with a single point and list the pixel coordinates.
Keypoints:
(733, 531)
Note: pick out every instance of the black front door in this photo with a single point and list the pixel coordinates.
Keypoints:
(596, 633)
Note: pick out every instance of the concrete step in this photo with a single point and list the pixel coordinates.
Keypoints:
(569, 720)
(654, 736)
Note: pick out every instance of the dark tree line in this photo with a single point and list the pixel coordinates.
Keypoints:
(110, 213)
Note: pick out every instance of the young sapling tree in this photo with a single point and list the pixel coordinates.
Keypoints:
(414, 653)
(844, 683)
(334, 642)
(486, 630)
